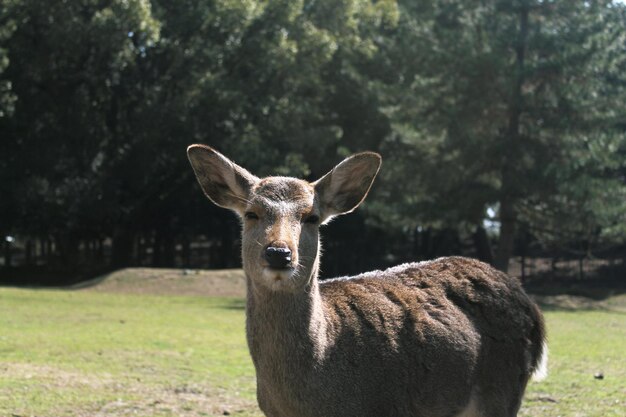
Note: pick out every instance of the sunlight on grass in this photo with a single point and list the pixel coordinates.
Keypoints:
(87, 353)
(583, 344)
(87, 349)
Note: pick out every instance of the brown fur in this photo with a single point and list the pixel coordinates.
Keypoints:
(449, 337)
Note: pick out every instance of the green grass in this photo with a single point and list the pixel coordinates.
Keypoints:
(583, 343)
(81, 353)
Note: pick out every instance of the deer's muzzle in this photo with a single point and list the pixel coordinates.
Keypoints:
(278, 257)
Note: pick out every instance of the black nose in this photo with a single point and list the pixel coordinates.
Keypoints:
(278, 258)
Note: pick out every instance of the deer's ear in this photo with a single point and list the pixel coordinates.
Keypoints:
(346, 186)
(224, 182)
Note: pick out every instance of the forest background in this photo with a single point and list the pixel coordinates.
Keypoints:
(502, 126)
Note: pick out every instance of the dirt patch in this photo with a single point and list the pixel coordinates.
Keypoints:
(51, 378)
(232, 283)
(143, 399)
(156, 281)
(575, 303)
(183, 401)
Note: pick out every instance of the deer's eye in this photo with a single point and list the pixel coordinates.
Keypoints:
(250, 215)
(312, 219)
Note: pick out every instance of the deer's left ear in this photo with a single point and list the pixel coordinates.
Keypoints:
(346, 186)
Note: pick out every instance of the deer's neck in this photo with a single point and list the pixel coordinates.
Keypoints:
(282, 325)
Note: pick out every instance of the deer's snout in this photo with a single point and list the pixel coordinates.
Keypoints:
(278, 255)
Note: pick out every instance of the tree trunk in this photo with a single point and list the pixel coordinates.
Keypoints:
(169, 251)
(141, 249)
(482, 245)
(426, 243)
(122, 250)
(226, 250)
(49, 251)
(523, 248)
(157, 246)
(42, 250)
(508, 219)
(100, 250)
(68, 249)
(581, 267)
(186, 251)
(7, 254)
(29, 252)
(416, 243)
(510, 189)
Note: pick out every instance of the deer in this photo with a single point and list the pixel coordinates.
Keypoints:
(450, 337)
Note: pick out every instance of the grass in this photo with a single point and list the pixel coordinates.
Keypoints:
(584, 344)
(88, 354)
(82, 353)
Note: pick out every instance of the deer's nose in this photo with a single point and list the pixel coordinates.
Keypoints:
(278, 256)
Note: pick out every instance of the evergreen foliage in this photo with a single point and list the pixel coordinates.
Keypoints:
(500, 112)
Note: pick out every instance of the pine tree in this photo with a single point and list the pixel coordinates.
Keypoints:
(507, 99)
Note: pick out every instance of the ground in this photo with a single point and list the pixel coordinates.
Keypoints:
(156, 343)
(163, 281)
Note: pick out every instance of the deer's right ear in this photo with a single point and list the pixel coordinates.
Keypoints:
(224, 182)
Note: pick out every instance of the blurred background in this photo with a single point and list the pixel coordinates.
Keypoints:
(502, 126)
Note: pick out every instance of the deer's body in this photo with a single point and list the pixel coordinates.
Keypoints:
(451, 337)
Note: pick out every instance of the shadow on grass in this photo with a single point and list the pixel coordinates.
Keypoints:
(233, 304)
(604, 290)
(41, 277)
(577, 304)
(596, 288)
(91, 282)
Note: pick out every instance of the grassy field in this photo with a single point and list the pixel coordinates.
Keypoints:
(586, 343)
(93, 353)
(68, 353)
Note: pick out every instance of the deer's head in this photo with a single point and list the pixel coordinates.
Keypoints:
(281, 216)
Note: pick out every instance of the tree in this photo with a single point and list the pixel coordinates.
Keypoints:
(7, 99)
(108, 101)
(7, 26)
(65, 77)
(499, 97)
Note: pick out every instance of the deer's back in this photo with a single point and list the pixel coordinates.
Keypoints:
(422, 336)
(431, 297)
